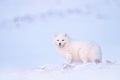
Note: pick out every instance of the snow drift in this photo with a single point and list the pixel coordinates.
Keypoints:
(103, 71)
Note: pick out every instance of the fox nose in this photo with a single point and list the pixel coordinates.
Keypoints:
(59, 43)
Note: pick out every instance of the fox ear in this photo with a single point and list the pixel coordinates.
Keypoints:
(55, 35)
(65, 34)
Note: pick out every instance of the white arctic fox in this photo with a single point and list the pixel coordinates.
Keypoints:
(77, 50)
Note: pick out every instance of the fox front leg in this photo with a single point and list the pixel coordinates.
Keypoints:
(69, 58)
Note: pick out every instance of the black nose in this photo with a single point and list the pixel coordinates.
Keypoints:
(59, 43)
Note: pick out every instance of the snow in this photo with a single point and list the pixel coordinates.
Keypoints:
(80, 72)
(27, 28)
(88, 71)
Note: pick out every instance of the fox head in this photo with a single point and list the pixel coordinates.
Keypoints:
(61, 40)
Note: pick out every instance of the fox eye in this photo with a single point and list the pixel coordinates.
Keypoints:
(62, 40)
(57, 40)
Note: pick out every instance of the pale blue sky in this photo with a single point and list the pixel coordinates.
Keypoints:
(26, 35)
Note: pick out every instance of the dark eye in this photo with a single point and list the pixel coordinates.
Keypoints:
(57, 40)
(62, 40)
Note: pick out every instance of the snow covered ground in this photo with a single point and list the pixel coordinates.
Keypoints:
(78, 72)
(69, 72)
(27, 28)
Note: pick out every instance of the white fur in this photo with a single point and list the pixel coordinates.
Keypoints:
(77, 50)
